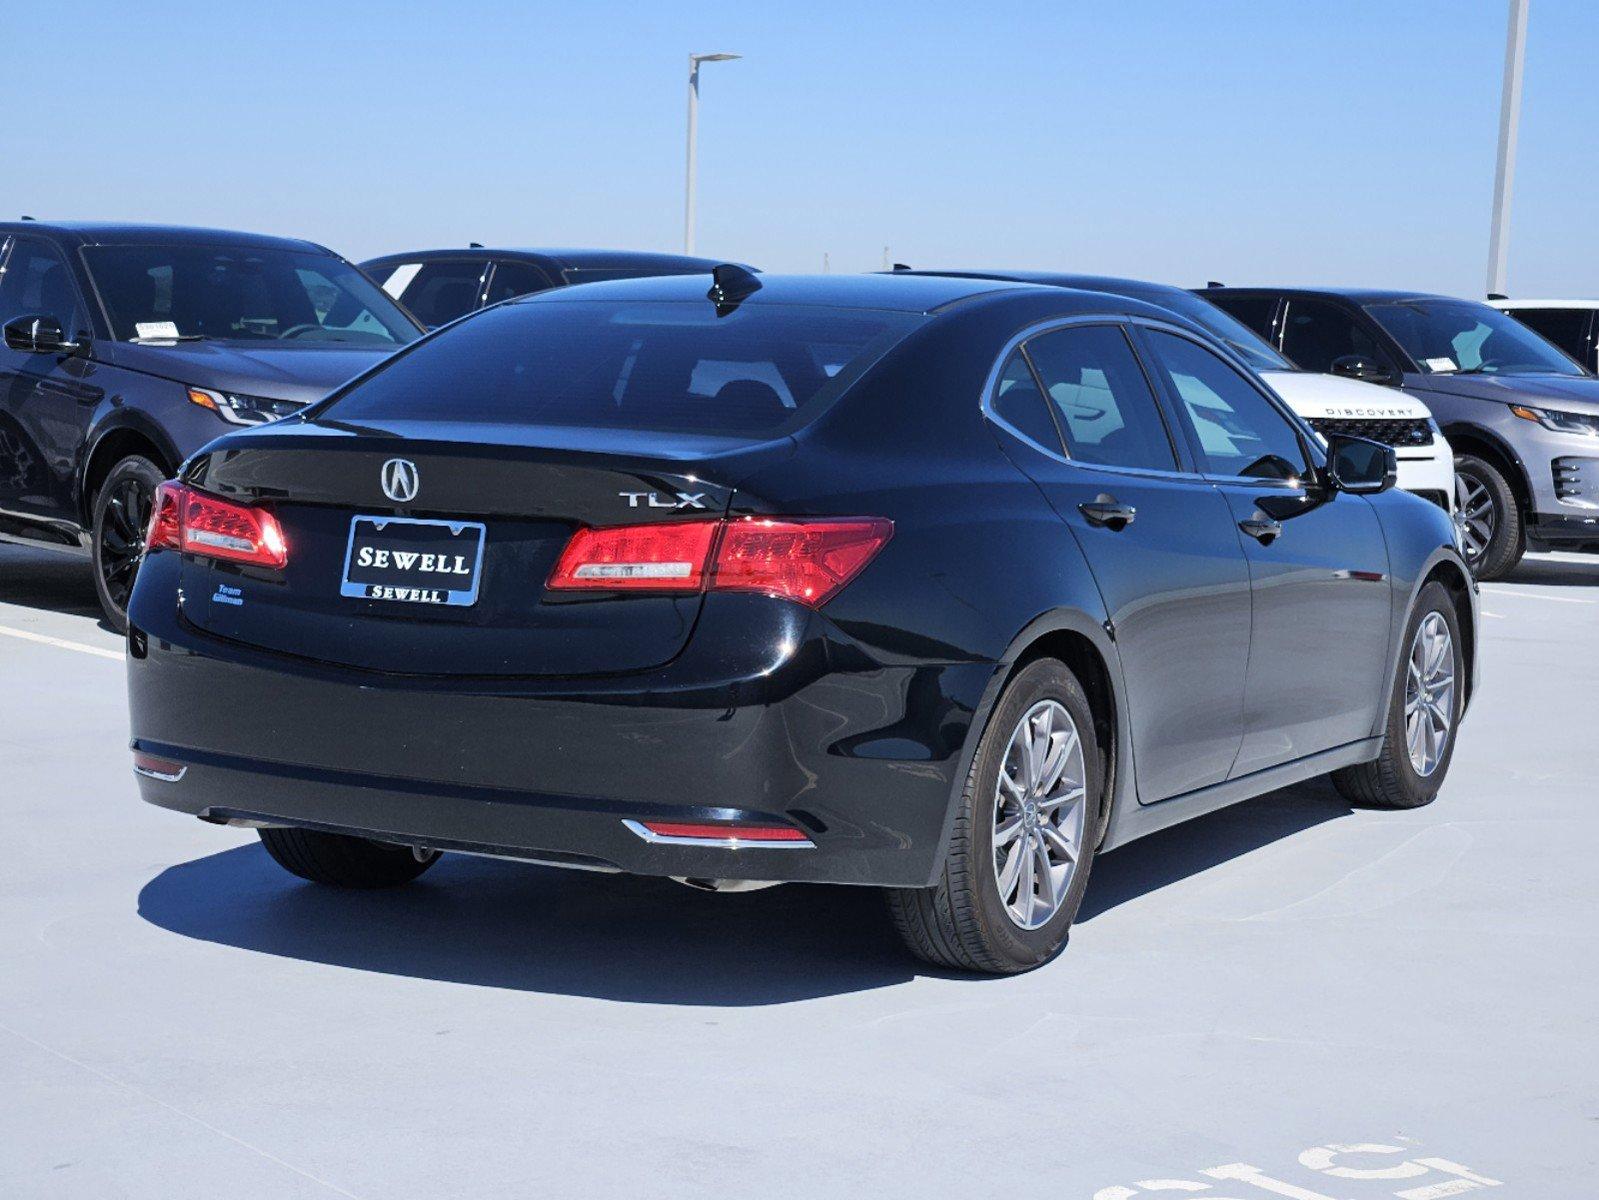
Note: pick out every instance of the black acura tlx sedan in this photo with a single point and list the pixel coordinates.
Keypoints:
(937, 585)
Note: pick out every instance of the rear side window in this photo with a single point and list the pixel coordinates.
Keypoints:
(657, 366)
(1565, 327)
(1257, 312)
(515, 279)
(1018, 403)
(437, 292)
(1106, 409)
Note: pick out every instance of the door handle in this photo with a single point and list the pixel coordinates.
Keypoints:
(1263, 529)
(1109, 512)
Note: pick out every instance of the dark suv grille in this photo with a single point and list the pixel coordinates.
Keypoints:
(1403, 431)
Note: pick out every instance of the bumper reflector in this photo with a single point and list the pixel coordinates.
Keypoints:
(727, 835)
(152, 767)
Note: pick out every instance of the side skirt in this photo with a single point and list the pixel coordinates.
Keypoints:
(1129, 824)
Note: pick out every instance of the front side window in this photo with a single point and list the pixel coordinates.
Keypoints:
(438, 291)
(1106, 410)
(1238, 431)
(1567, 328)
(37, 282)
(247, 294)
(659, 366)
(1316, 334)
(1460, 337)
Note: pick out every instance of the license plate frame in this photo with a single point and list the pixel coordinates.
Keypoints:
(433, 595)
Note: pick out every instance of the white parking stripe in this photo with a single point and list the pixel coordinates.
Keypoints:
(1499, 591)
(61, 643)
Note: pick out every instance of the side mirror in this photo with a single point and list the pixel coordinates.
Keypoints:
(1359, 465)
(1367, 370)
(39, 335)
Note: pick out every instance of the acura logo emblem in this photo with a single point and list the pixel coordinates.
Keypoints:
(400, 480)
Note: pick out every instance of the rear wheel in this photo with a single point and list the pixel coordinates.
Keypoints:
(1423, 712)
(1490, 520)
(344, 861)
(121, 517)
(1019, 855)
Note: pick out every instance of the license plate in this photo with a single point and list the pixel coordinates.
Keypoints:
(412, 561)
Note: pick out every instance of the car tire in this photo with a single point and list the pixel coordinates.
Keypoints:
(1479, 483)
(964, 922)
(1393, 779)
(121, 515)
(340, 860)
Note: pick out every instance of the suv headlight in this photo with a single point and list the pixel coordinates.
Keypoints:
(1561, 422)
(240, 409)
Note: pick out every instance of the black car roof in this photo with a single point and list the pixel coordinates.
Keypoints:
(131, 233)
(1112, 284)
(563, 259)
(1354, 295)
(901, 292)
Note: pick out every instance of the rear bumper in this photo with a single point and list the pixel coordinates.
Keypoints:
(771, 715)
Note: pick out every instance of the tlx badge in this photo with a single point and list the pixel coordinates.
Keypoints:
(669, 500)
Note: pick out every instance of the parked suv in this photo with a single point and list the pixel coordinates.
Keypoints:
(1573, 325)
(1329, 405)
(437, 286)
(128, 347)
(1522, 416)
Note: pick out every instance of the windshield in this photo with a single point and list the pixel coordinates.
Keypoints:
(662, 366)
(1458, 337)
(254, 294)
(1221, 325)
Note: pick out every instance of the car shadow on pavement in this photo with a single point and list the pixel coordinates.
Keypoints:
(1562, 571)
(540, 929)
(48, 580)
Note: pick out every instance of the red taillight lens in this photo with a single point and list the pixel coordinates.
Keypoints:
(711, 832)
(197, 523)
(806, 560)
(669, 557)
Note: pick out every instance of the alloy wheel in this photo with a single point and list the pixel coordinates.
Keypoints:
(122, 532)
(1430, 694)
(1474, 509)
(1040, 811)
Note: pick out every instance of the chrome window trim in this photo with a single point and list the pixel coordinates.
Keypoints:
(1049, 325)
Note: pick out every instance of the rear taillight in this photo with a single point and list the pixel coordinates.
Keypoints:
(211, 527)
(802, 559)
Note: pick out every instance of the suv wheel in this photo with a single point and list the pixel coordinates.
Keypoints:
(1428, 697)
(1018, 859)
(1490, 520)
(121, 518)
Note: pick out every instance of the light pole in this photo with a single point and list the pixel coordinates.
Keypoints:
(694, 61)
(1509, 122)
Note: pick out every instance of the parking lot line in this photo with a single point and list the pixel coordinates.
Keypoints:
(60, 643)
(1499, 591)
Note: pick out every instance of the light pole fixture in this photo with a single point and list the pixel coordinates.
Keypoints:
(1505, 170)
(694, 61)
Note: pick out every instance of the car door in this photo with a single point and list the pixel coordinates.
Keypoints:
(47, 401)
(1318, 560)
(1158, 538)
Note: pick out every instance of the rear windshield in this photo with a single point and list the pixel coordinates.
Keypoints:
(673, 367)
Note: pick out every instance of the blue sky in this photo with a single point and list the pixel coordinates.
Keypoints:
(1317, 141)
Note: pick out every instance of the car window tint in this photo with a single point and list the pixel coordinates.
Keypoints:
(1106, 410)
(1238, 431)
(38, 282)
(1257, 312)
(1018, 402)
(437, 292)
(1315, 333)
(668, 366)
(515, 279)
(1565, 327)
